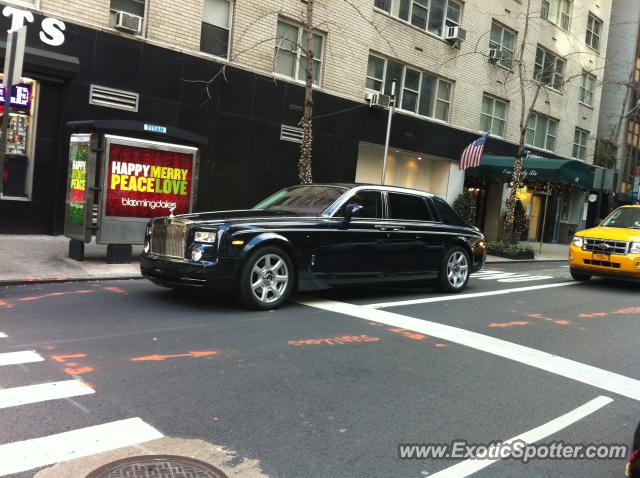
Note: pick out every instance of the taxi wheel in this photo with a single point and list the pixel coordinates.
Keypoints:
(579, 276)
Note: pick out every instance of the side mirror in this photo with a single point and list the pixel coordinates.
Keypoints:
(352, 210)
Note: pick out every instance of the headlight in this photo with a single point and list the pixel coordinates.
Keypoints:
(197, 253)
(578, 241)
(635, 248)
(147, 246)
(205, 236)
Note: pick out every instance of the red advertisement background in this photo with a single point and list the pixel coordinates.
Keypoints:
(153, 157)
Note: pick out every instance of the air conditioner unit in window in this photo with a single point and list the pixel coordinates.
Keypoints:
(455, 35)
(128, 22)
(495, 55)
(377, 100)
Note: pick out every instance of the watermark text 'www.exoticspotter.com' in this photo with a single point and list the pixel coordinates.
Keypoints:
(514, 450)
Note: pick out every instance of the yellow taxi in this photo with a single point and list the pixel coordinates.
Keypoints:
(609, 250)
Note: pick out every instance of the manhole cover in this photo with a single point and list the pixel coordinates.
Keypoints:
(157, 466)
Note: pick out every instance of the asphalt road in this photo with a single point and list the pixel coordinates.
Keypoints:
(332, 383)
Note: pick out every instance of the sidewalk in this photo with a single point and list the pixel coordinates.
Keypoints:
(31, 258)
(550, 252)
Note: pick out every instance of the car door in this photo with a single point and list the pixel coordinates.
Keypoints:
(417, 245)
(355, 251)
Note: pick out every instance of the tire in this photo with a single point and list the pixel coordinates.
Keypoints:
(579, 276)
(454, 270)
(267, 279)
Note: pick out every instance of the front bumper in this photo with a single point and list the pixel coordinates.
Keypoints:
(220, 274)
(623, 267)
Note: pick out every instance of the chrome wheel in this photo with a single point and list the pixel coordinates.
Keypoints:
(269, 278)
(457, 269)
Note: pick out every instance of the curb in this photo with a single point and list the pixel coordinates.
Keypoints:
(7, 283)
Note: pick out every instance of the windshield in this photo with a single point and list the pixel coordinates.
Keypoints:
(309, 200)
(627, 217)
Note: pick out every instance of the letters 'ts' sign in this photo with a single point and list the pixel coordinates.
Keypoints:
(51, 29)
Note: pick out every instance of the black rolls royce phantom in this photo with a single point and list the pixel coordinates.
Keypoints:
(313, 237)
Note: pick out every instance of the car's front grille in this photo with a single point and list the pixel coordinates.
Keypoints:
(604, 246)
(168, 238)
(612, 265)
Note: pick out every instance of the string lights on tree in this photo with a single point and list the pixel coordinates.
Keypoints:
(304, 162)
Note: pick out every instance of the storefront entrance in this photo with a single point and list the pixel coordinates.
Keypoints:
(410, 170)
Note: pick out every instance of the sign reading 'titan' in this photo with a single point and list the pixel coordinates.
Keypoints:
(51, 29)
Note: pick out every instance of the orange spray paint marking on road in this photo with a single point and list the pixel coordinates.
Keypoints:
(593, 315)
(53, 294)
(5, 304)
(116, 290)
(497, 325)
(408, 334)
(63, 358)
(441, 346)
(159, 358)
(627, 311)
(348, 339)
(78, 371)
(562, 322)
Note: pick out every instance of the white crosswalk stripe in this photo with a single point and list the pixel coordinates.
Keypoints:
(16, 358)
(29, 454)
(3, 336)
(501, 276)
(13, 397)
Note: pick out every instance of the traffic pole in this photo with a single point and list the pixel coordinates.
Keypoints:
(8, 86)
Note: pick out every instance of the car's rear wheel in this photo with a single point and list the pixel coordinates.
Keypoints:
(580, 276)
(267, 279)
(454, 271)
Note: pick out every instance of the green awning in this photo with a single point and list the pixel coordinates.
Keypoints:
(536, 170)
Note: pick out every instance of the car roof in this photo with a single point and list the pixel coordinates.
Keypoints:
(375, 186)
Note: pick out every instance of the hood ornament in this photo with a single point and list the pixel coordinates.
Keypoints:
(171, 209)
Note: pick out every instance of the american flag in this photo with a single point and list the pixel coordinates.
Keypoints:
(472, 155)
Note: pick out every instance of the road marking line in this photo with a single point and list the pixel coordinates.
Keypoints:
(15, 358)
(13, 397)
(468, 467)
(3, 336)
(29, 454)
(525, 278)
(603, 379)
(447, 298)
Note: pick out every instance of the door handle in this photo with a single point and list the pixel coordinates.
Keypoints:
(383, 227)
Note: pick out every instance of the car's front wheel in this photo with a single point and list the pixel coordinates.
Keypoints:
(267, 279)
(579, 276)
(454, 271)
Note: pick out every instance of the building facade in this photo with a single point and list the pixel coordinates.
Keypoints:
(618, 131)
(230, 71)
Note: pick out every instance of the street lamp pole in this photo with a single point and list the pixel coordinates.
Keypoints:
(386, 142)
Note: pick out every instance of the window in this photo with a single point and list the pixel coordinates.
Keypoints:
(493, 115)
(580, 144)
(503, 39)
(290, 57)
(594, 28)
(371, 201)
(214, 36)
(447, 214)
(587, 86)
(132, 7)
(417, 92)
(557, 12)
(549, 69)
(541, 132)
(405, 206)
(430, 15)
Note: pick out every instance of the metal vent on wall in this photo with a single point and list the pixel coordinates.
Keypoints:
(290, 133)
(112, 98)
